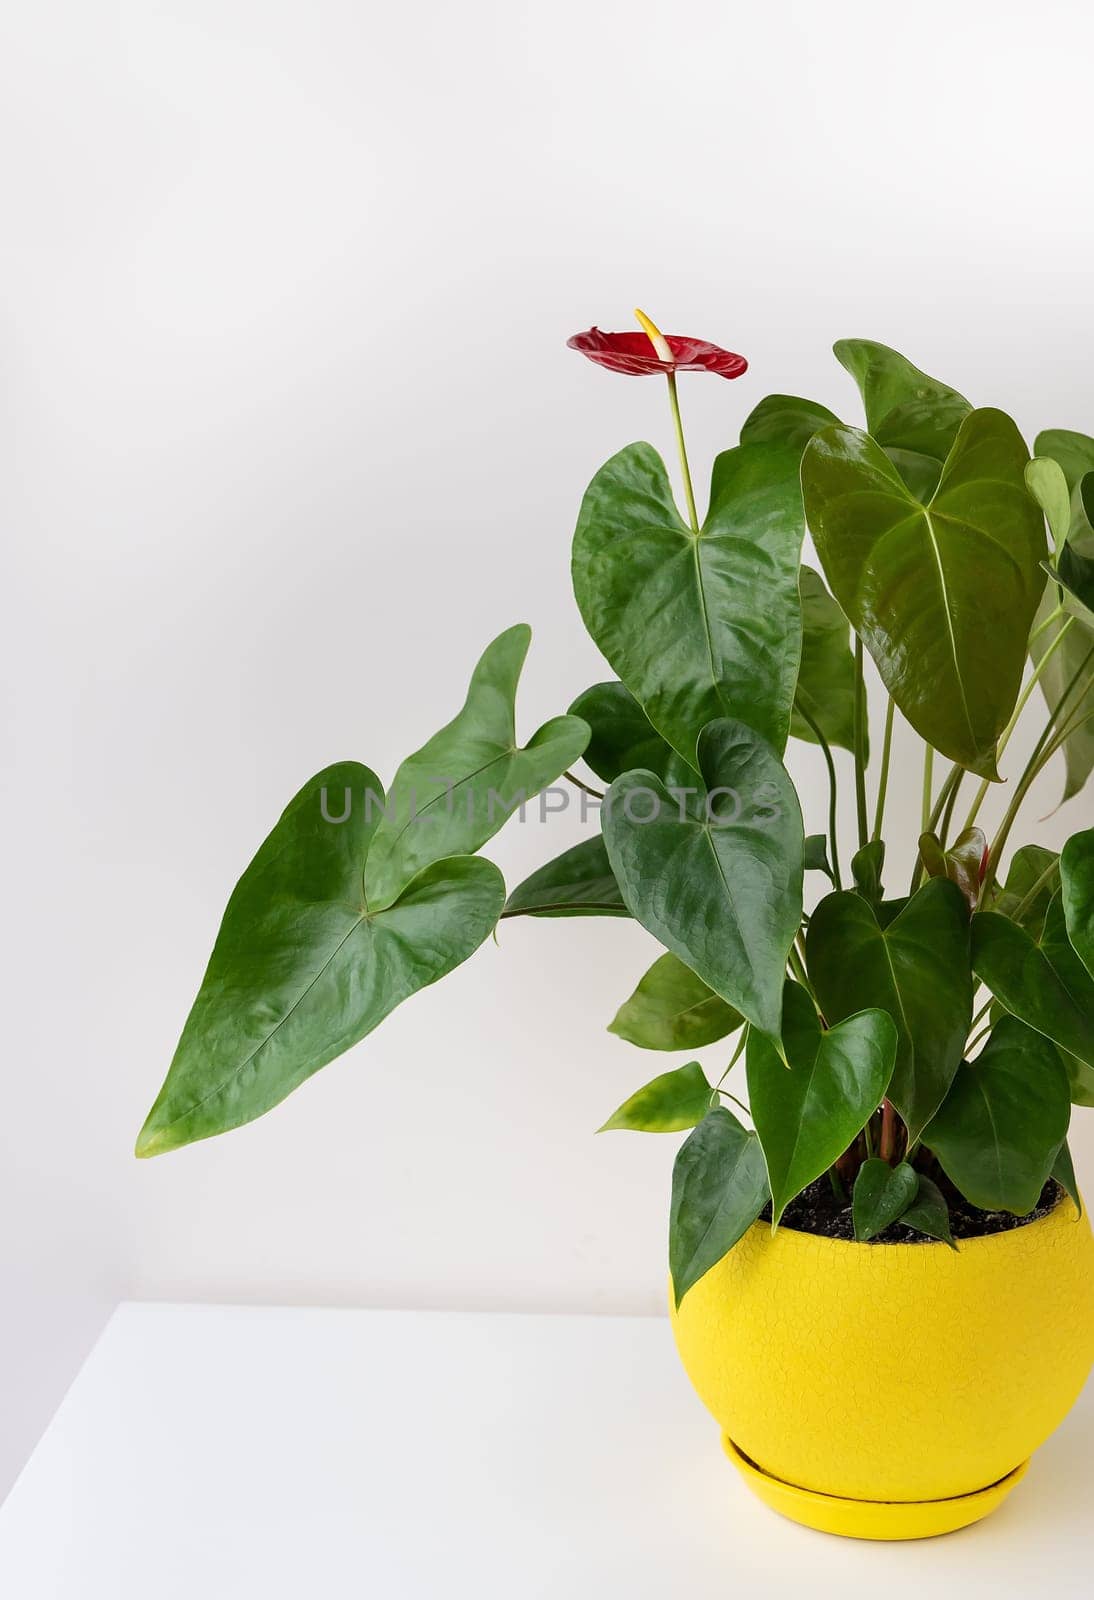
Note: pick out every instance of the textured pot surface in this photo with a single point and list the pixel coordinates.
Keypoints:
(894, 1372)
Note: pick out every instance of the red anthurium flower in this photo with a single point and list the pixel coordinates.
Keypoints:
(640, 353)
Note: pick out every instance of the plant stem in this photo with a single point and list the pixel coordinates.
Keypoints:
(887, 1142)
(597, 794)
(928, 786)
(860, 744)
(883, 779)
(833, 794)
(674, 402)
(947, 810)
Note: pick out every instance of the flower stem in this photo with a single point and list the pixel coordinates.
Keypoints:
(674, 402)
(860, 744)
(883, 780)
(928, 786)
(833, 795)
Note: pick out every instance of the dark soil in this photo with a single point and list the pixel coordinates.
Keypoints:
(816, 1210)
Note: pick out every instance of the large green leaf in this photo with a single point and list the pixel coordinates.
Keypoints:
(622, 737)
(916, 969)
(578, 883)
(1077, 894)
(808, 1115)
(673, 1009)
(913, 417)
(826, 681)
(882, 1195)
(303, 968)
(667, 1104)
(716, 877)
(943, 594)
(1000, 1128)
(1041, 980)
(785, 419)
(698, 626)
(719, 1188)
(463, 784)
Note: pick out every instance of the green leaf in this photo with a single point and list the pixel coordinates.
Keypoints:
(815, 855)
(942, 594)
(1064, 1173)
(463, 784)
(785, 419)
(666, 1104)
(917, 969)
(882, 1195)
(673, 1009)
(867, 866)
(1070, 656)
(578, 883)
(826, 680)
(1075, 575)
(302, 968)
(622, 737)
(1042, 981)
(807, 1116)
(999, 1131)
(719, 1188)
(1047, 484)
(929, 1213)
(1073, 451)
(914, 418)
(1077, 894)
(1029, 888)
(698, 626)
(961, 863)
(716, 877)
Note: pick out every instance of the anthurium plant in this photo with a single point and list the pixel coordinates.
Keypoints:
(908, 1054)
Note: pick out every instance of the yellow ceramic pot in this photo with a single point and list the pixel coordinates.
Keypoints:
(892, 1391)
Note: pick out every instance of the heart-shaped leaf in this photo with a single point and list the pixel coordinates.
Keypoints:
(463, 784)
(882, 1195)
(916, 969)
(961, 863)
(1041, 980)
(825, 696)
(578, 883)
(673, 1009)
(913, 417)
(999, 1131)
(668, 1103)
(929, 1213)
(303, 967)
(815, 855)
(808, 1115)
(785, 419)
(697, 625)
(719, 1188)
(716, 876)
(1077, 894)
(867, 866)
(943, 593)
(622, 737)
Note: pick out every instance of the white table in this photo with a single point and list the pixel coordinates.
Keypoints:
(229, 1453)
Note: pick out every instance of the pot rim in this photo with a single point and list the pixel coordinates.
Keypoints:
(976, 1240)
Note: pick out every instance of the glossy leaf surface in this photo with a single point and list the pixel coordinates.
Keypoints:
(578, 883)
(462, 786)
(882, 1195)
(808, 1112)
(785, 419)
(1077, 894)
(302, 968)
(1042, 980)
(826, 680)
(698, 626)
(913, 417)
(717, 880)
(622, 737)
(943, 594)
(916, 969)
(673, 1009)
(961, 863)
(667, 1104)
(999, 1131)
(719, 1188)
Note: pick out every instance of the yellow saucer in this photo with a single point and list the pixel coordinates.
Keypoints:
(872, 1519)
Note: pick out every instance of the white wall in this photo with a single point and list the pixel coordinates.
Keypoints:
(289, 431)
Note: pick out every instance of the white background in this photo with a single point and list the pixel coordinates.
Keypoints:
(290, 431)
